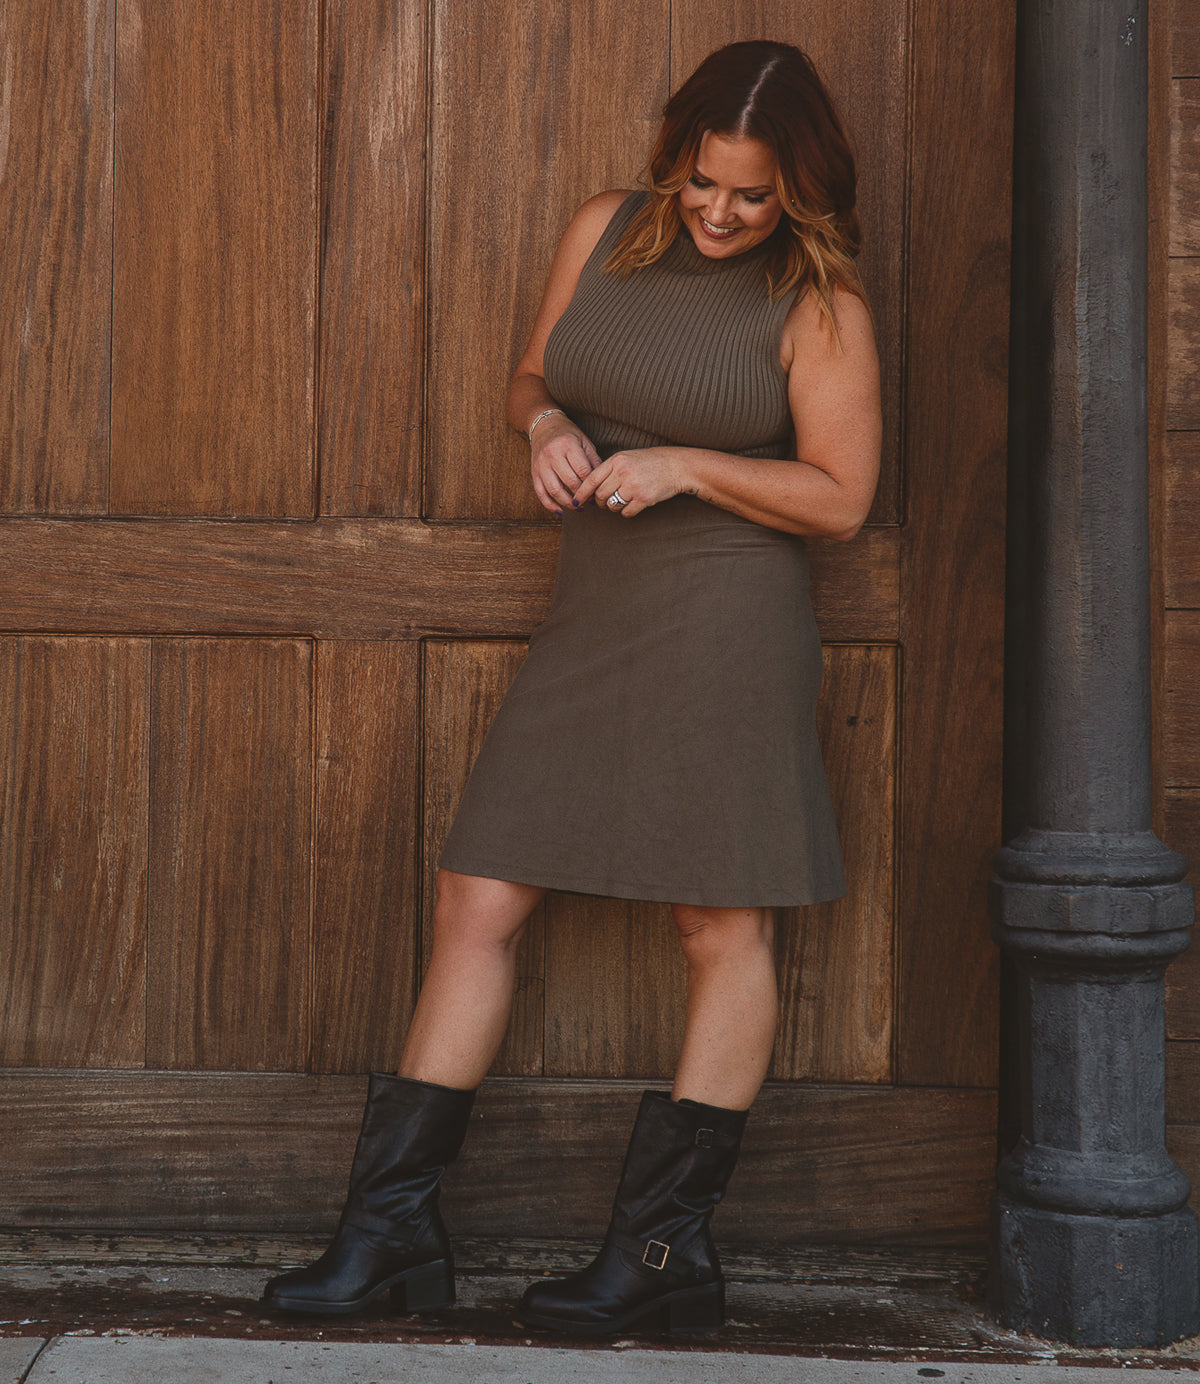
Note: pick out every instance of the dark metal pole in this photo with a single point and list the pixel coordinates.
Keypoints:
(1091, 1238)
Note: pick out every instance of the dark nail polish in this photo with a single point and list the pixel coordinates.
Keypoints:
(558, 512)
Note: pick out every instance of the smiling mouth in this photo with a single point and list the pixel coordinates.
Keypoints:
(718, 232)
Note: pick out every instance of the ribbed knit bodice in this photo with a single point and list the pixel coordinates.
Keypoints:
(684, 351)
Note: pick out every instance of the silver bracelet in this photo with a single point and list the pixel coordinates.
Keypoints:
(545, 413)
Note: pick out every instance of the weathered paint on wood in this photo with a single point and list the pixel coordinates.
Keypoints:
(347, 579)
(73, 803)
(372, 318)
(367, 878)
(56, 150)
(536, 137)
(464, 684)
(214, 278)
(269, 1154)
(953, 545)
(837, 960)
(230, 828)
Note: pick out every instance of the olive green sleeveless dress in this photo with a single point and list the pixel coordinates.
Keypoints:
(659, 741)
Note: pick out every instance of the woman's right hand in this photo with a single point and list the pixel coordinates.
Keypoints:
(560, 458)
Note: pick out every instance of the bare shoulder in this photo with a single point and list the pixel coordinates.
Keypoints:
(806, 334)
(587, 225)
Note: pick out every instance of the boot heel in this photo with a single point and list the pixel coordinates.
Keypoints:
(423, 1289)
(697, 1309)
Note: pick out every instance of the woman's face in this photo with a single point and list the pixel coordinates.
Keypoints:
(730, 204)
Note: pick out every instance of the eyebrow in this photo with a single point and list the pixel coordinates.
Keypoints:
(758, 187)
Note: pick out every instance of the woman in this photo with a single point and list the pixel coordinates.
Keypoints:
(700, 392)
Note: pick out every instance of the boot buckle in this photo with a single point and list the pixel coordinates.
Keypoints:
(654, 1256)
(704, 1138)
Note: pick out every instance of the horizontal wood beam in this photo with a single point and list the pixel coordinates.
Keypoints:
(346, 578)
(134, 1151)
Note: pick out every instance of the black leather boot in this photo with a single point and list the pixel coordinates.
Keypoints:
(658, 1264)
(391, 1236)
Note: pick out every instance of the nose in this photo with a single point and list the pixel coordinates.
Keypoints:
(718, 207)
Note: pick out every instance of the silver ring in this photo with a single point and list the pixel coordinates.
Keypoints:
(615, 500)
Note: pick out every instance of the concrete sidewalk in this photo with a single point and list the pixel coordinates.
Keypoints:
(133, 1359)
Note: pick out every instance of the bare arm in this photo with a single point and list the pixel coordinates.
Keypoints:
(834, 400)
(561, 456)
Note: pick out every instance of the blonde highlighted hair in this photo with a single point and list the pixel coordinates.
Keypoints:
(769, 92)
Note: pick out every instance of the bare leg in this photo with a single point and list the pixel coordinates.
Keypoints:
(732, 1006)
(466, 1000)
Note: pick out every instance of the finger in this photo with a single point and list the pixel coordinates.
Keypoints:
(632, 508)
(564, 469)
(540, 491)
(554, 488)
(592, 481)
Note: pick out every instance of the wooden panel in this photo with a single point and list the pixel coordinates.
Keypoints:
(861, 50)
(347, 579)
(366, 907)
(269, 1154)
(1181, 713)
(464, 685)
(615, 989)
(373, 249)
(1183, 1144)
(1181, 544)
(1182, 833)
(1183, 343)
(533, 140)
(56, 137)
(952, 558)
(1183, 1083)
(215, 272)
(230, 821)
(1185, 167)
(73, 791)
(836, 960)
(1185, 38)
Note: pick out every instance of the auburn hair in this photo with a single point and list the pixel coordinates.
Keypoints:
(769, 92)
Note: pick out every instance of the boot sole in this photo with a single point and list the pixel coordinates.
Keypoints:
(420, 1289)
(686, 1309)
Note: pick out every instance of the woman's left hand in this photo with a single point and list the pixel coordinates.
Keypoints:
(640, 478)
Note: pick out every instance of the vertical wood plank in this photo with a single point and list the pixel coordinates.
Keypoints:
(1185, 38)
(952, 559)
(1181, 520)
(1182, 833)
(862, 53)
(1185, 167)
(215, 268)
(564, 106)
(230, 823)
(464, 683)
(366, 909)
(1183, 343)
(56, 133)
(1181, 712)
(616, 989)
(73, 794)
(836, 960)
(373, 249)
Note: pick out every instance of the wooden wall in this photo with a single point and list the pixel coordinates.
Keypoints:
(268, 556)
(1178, 381)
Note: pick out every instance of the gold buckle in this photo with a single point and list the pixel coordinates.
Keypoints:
(662, 1257)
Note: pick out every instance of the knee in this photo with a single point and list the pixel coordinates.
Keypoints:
(479, 913)
(712, 936)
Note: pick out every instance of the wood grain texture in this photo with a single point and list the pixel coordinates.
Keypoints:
(372, 259)
(952, 559)
(366, 900)
(56, 203)
(509, 163)
(74, 784)
(1181, 713)
(615, 989)
(1182, 833)
(862, 52)
(1181, 520)
(1183, 343)
(1183, 1083)
(1185, 38)
(230, 828)
(1185, 167)
(269, 1154)
(836, 960)
(215, 269)
(464, 684)
(347, 579)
